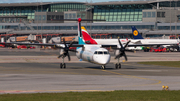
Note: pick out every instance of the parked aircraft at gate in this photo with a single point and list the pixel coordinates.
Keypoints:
(138, 39)
(89, 40)
(91, 53)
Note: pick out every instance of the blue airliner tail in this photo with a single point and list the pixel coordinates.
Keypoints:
(136, 34)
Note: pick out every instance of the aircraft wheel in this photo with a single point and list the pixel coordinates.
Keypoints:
(61, 65)
(116, 66)
(64, 65)
(119, 66)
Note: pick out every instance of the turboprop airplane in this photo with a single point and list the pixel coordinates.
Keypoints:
(138, 39)
(96, 54)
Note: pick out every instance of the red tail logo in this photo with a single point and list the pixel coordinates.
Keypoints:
(86, 37)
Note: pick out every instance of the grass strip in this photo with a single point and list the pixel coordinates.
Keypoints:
(163, 63)
(96, 96)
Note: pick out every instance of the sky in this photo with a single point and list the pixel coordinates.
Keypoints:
(23, 1)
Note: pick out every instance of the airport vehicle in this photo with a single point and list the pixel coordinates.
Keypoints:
(138, 39)
(159, 49)
(96, 54)
(21, 47)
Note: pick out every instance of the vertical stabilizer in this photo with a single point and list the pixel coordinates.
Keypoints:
(136, 34)
(86, 37)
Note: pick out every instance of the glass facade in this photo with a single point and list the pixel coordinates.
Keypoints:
(169, 4)
(114, 13)
(110, 13)
(149, 14)
(28, 11)
(67, 6)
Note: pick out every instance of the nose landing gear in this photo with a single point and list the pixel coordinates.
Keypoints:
(103, 67)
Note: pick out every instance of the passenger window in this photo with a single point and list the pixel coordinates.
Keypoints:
(100, 52)
(95, 52)
(105, 52)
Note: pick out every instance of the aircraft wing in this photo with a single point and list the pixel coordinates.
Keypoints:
(135, 41)
(42, 44)
(79, 45)
(135, 45)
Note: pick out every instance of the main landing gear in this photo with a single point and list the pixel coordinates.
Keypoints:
(118, 65)
(122, 50)
(62, 65)
(66, 53)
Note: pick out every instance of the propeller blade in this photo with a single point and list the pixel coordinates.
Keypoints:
(122, 54)
(125, 56)
(127, 44)
(60, 55)
(71, 44)
(69, 58)
(64, 43)
(120, 42)
(117, 56)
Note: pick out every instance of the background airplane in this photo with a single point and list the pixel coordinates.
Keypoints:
(89, 40)
(138, 39)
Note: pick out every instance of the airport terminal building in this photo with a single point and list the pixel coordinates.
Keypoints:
(153, 18)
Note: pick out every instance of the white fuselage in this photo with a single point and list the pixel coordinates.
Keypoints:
(155, 41)
(93, 54)
(115, 42)
(158, 41)
(110, 41)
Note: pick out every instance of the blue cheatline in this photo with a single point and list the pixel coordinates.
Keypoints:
(136, 34)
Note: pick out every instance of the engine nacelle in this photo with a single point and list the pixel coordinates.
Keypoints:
(116, 52)
(61, 51)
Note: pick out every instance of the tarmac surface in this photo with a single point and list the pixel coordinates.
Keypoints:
(37, 71)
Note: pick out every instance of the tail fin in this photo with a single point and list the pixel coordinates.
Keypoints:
(135, 33)
(86, 37)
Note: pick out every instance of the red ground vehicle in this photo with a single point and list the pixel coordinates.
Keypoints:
(21, 47)
(2, 45)
(159, 49)
(31, 47)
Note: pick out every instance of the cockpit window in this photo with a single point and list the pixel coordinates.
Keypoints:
(95, 52)
(101, 52)
(105, 52)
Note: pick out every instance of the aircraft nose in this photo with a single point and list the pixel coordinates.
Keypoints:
(103, 60)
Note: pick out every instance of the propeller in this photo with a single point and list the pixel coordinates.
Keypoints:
(122, 50)
(66, 50)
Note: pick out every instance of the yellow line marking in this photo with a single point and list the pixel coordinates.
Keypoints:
(130, 76)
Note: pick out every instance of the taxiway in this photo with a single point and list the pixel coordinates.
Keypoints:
(38, 71)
